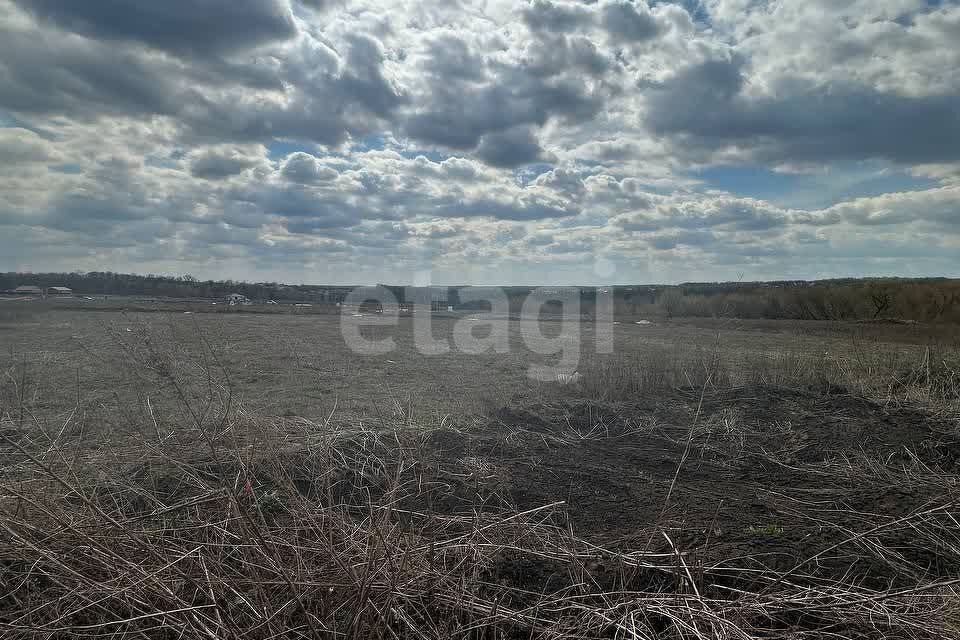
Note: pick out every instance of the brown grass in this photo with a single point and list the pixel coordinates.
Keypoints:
(228, 524)
(929, 375)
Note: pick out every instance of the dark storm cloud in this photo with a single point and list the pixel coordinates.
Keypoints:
(509, 149)
(363, 82)
(626, 21)
(110, 213)
(451, 57)
(320, 5)
(42, 73)
(325, 102)
(218, 166)
(704, 107)
(177, 26)
(326, 99)
(554, 55)
(556, 17)
(464, 102)
(306, 206)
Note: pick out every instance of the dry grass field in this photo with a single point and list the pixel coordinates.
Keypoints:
(172, 475)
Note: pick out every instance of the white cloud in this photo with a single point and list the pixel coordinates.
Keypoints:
(486, 140)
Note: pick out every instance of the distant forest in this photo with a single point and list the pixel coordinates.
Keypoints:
(107, 283)
(919, 300)
(916, 299)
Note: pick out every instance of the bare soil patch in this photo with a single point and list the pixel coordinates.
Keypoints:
(772, 474)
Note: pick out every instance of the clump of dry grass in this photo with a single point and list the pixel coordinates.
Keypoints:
(332, 536)
(655, 370)
(929, 375)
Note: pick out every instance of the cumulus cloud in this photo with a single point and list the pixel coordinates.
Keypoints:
(707, 106)
(182, 27)
(305, 168)
(511, 148)
(314, 93)
(628, 21)
(557, 17)
(221, 163)
(475, 138)
(21, 146)
(465, 95)
(933, 208)
(320, 5)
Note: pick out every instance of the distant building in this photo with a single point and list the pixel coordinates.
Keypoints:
(439, 299)
(236, 298)
(28, 290)
(59, 291)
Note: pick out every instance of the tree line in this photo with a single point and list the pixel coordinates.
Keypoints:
(922, 300)
(108, 283)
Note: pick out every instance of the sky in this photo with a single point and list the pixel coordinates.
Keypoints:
(481, 141)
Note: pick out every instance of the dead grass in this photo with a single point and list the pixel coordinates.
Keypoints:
(929, 375)
(322, 542)
(223, 523)
(14, 312)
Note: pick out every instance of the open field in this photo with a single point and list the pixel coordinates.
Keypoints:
(248, 475)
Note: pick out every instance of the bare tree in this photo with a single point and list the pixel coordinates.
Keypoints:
(881, 296)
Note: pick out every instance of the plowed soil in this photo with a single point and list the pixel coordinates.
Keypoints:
(778, 476)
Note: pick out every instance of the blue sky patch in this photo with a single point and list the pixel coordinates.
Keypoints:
(526, 175)
(279, 149)
(431, 155)
(372, 142)
(810, 190)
